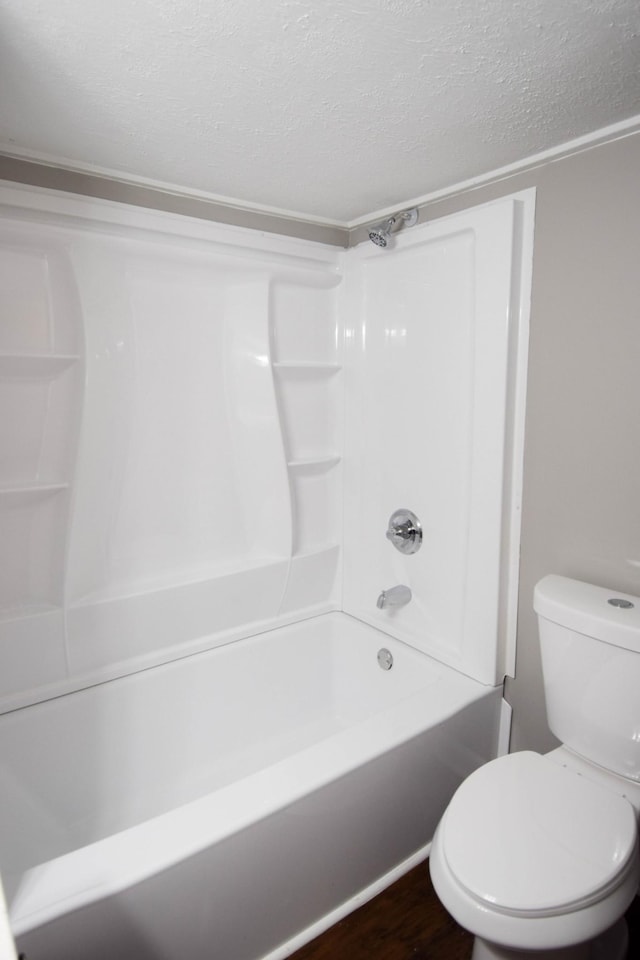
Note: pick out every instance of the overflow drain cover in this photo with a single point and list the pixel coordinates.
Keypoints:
(385, 659)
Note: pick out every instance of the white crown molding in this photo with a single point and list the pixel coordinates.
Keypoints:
(230, 210)
(161, 186)
(615, 131)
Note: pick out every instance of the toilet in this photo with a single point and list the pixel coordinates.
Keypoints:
(537, 855)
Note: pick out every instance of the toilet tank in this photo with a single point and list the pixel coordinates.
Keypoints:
(590, 646)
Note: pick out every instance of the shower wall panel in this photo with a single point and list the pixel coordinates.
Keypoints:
(437, 330)
(168, 391)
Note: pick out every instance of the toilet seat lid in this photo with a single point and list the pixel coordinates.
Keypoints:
(528, 836)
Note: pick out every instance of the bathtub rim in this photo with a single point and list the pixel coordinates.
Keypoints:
(180, 651)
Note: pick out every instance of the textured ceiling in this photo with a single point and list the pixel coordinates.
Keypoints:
(329, 109)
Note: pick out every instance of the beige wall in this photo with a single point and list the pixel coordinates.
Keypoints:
(581, 507)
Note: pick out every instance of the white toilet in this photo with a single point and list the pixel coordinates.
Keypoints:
(538, 855)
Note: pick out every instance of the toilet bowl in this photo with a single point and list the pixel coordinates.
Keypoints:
(537, 855)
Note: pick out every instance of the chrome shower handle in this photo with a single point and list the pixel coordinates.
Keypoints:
(405, 531)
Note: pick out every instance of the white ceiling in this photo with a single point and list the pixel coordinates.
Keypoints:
(328, 109)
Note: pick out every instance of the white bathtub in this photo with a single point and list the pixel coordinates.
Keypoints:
(233, 804)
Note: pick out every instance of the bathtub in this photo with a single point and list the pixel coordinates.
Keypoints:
(235, 803)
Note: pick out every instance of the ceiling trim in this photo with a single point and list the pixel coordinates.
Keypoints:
(92, 182)
(40, 170)
(615, 131)
(107, 173)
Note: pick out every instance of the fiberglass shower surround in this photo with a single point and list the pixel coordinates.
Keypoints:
(174, 445)
(195, 452)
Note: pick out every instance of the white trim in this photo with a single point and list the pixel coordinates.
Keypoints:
(162, 186)
(616, 131)
(519, 366)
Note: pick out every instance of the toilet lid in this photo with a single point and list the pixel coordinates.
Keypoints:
(527, 835)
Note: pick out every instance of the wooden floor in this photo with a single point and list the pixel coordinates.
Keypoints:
(407, 922)
(404, 922)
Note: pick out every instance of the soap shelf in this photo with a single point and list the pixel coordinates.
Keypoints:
(20, 611)
(34, 366)
(20, 494)
(314, 464)
(41, 359)
(308, 395)
(307, 366)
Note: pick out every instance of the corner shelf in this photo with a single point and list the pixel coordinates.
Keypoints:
(317, 549)
(41, 390)
(21, 611)
(315, 464)
(21, 494)
(307, 366)
(35, 366)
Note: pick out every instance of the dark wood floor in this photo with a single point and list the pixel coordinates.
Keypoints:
(407, 922)
(404, 922)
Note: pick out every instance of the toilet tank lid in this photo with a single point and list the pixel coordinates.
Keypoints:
(589, 609)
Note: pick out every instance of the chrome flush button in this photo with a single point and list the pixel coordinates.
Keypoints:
(619, 602)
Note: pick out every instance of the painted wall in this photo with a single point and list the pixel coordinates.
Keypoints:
(581, 515)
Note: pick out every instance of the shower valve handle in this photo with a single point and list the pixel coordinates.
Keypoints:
(405, 531)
